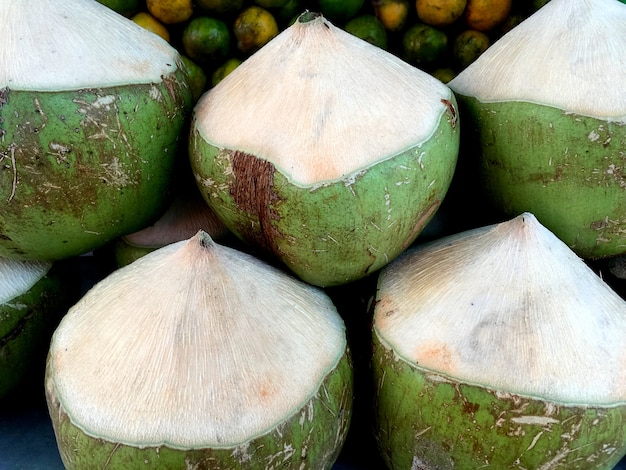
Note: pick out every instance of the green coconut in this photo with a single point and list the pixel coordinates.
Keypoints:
(545, 108)
(325, 151)
(498, 347)
(91, 110)
(200, 356)
(31, 301)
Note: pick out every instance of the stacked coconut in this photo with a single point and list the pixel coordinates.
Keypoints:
(88, 136)
(326, 157)
(499, 347)
(197, 354)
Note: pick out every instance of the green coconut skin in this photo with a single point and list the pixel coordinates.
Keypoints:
(425, 420)
(125, 253)
(333, 232)
(82, 167)
(26, 324)
(311, 438)
(567, 169)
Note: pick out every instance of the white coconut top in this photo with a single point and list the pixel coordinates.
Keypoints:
(570, 54)
(193, 345)
(320, 103)
(510, 307)
(17, 277)
(71, 44)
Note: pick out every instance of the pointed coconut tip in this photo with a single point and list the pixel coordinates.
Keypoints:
(509, 307)
(323, 98)
(570, 54)
(18, 276)
(49, 45)
(194, 345)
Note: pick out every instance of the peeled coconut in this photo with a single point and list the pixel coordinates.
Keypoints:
(328, 152)
(200, 356)
(31, 301)
(498, 347)
(545, 107)
(91, 110)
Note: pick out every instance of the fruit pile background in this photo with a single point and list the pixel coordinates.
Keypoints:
(441, 37)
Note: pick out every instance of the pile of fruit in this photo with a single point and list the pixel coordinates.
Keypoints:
(441, 37)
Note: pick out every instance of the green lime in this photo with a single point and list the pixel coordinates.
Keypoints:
(444, 74)
(369, 28)
(224, 8)
(424, 45)
(271, 3)
(222, 71)
(339, 11)
(206, 40)
(124, 7)
(468, 46)
(290, 11)
(196, 77)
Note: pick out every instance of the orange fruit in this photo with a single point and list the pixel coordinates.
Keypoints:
(170, 11)
(468, 46)
(440, 13)
(223, 70)
(149, 22)
(484, 15)
(391, 13)
(253, 28)
(444, 74)
(424, 45)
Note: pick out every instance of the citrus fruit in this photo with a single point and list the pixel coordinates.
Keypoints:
(440, 13)
(468, 46)
(149, 22)
(339, 11)
(391, 13)
(221, 7)
(253, 28)
(196, 77)
(369, 28)
(484, 15)
(206, 40)
(424, 45)
(289, 11)
(271, 3)
(170, 11)
(123, 7)
(223, 70)
(444, 74)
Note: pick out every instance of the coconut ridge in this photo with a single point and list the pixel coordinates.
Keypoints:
(236, 382)
(552, 58)
(531, 318)
(309, 117)
(70, 53)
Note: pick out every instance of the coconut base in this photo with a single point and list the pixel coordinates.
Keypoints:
(425, 420)
(311, 438)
